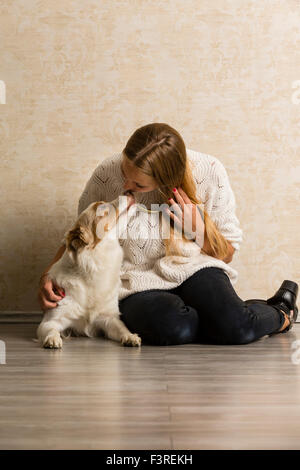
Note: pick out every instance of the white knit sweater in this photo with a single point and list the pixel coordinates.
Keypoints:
(145, 265)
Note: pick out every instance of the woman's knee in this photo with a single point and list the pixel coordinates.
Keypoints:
(238, 335)
(181, 330)
(160, 318)
(233, 329)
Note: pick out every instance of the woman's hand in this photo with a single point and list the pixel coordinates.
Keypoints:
(47, 294)
(188, 216)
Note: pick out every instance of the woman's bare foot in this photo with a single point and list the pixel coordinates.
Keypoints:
(287, 320)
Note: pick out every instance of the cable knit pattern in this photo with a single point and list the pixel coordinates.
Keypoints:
(145, 265)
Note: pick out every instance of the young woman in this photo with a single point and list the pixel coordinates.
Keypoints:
(178, 288)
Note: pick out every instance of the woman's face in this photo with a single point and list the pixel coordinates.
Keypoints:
(135, 180)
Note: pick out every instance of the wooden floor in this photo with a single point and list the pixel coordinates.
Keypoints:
(96, 394)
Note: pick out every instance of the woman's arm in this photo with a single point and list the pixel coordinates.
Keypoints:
(188, 214)
(206, 248)
(49, 293)
(98, 184)
(58, 255)
(220, 205)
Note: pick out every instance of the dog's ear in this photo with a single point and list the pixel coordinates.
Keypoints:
(79, 237)
(85, 235)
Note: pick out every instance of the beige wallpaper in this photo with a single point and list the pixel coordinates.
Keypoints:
(81, 76)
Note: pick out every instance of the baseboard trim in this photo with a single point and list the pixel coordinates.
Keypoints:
(20, 317)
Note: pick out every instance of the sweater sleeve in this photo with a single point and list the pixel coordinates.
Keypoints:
(94, 190)
(220, 204)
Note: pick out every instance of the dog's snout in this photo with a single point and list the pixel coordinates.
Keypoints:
(130, 198)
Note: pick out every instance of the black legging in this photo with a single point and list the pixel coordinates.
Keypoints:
(204, 308)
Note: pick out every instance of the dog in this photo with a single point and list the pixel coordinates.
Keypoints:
(89, 272)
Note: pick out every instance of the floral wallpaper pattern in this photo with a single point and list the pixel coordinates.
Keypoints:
(80, 77)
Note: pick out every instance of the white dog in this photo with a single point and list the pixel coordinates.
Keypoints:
(89, 272)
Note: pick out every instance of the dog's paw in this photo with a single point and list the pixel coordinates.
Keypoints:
(131, 340)
(53, 341)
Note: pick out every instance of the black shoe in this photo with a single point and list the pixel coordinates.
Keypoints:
(285, 299)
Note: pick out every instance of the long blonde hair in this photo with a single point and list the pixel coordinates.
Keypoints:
(159, 151)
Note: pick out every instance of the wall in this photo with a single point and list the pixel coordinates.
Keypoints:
(82, 76)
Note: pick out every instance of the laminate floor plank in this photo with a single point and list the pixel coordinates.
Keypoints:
(97, 394)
